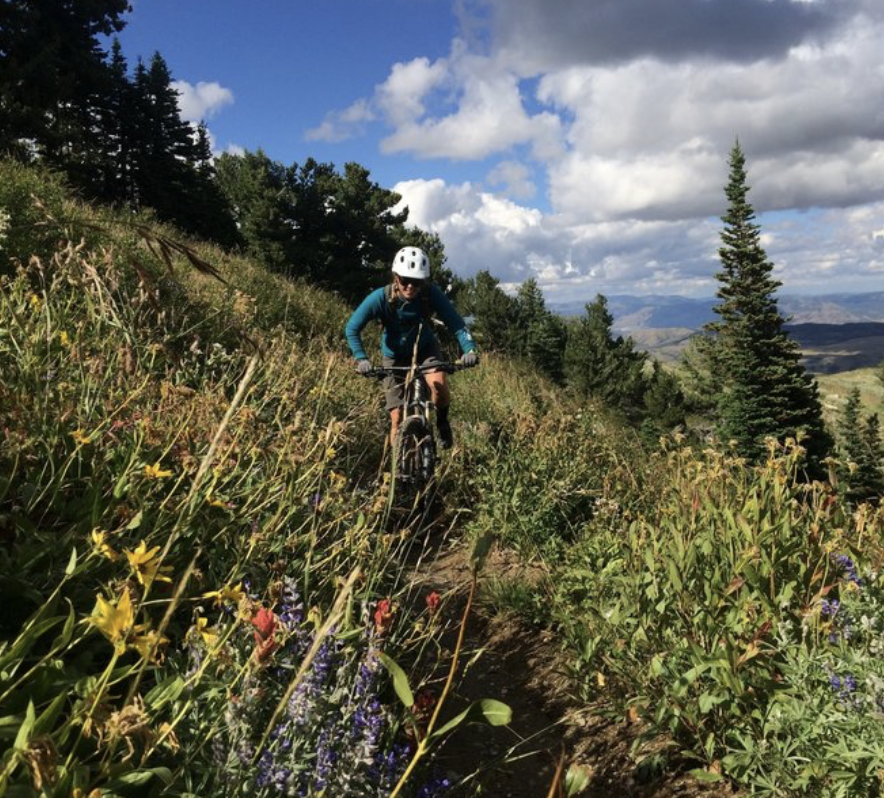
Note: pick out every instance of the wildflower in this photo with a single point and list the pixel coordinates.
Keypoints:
(148, 645)
(265, 623)
(80, 437)
(226, 594)
(36, 303)
(146, 565)
(423, 706)
(829, 609)
(114, 621)
(155, 472)
(434, 787)
(218, 503)
(383, 616)
(848, 569)
(64, 339)
(433, 602)
(103, 548)
(209, 636)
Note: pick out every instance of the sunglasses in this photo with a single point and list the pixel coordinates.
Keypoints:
(406, 281)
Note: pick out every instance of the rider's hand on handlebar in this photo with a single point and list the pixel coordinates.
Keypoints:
(469, 360)
(363, 367)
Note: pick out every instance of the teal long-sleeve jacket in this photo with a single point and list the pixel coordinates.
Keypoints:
(401, 323)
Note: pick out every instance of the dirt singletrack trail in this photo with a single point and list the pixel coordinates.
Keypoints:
(504, 659)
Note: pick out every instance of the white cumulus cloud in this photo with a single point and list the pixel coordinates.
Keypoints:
(623, 112)
(201, 101)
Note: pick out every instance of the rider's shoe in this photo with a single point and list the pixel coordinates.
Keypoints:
(446, 436)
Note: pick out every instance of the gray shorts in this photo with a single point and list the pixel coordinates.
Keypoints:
(394, 387)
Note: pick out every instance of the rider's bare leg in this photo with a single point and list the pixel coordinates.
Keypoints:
(395, 420)
(438, 382)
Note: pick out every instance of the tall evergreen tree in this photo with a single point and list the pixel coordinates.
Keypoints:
(358, 238)
(52, 70)
(601, 365)
(261, 195)
(164, 149)
(862, 453)
(494, 313)
(873, 459)
(665, 406)
(541, 334)
(767, 390)
(207, 210)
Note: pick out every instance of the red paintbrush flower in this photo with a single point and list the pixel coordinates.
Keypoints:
(265, 623)
(383, 616)
(433, 602)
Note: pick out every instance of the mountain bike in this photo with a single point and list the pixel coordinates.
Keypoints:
(415, 453)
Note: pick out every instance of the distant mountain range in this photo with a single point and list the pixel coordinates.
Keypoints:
(654, 312)
(836, 332)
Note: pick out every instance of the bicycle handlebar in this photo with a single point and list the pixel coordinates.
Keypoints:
(389, 371)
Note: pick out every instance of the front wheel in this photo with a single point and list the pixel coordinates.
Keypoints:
(412, 452)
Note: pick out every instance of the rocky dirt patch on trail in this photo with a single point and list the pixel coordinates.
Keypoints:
(505, 659)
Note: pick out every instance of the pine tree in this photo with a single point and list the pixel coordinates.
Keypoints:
(262, 199)
(599, 364)
(767, 391)
(862, 452)
(207, 210)
(540, 335)
(665, 405)
(116, 121)
(494, 323)
(872, 464)
(52, 74)
(164, 149)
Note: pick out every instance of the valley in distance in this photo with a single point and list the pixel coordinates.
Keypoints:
(836, 332)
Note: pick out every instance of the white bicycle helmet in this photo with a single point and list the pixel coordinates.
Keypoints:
(411, 262)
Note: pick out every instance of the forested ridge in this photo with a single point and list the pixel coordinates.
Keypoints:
(205, 562)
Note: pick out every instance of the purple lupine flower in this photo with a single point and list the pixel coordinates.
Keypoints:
(326, 756)
(265, 769)
(434, 787)
(829, 609)
(303, 700)
(848, 569)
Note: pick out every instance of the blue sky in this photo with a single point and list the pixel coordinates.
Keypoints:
(581, 143)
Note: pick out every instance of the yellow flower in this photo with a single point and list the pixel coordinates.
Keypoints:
(209, 636)
(80, 437)
(149, 644)
(36, 303)
(146, 565)
(155, 472)
(98, 541)
(114, 621)
(226, 593)
(64, 338)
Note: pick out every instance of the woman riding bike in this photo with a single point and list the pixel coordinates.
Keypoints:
(404, 309)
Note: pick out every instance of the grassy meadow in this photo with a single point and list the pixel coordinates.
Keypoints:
(204, 567)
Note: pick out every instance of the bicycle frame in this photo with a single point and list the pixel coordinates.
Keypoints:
(415, 443)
